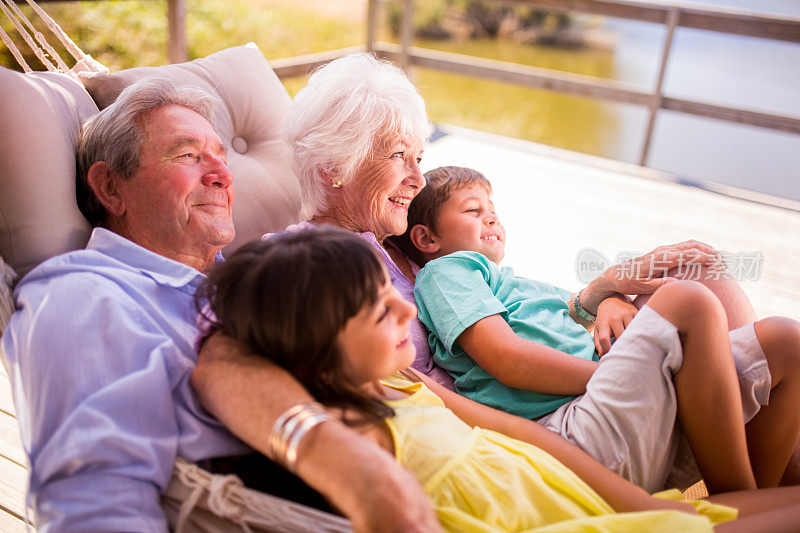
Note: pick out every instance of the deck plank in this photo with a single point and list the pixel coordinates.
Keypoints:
(6, 399)
(11, 524)
(13, 482)
(10, 441)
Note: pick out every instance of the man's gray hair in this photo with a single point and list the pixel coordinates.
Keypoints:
(115, 135)
(348, 106)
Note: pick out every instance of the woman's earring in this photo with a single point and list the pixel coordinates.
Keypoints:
(336, 184)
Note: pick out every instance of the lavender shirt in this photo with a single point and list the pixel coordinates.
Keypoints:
(419, 335)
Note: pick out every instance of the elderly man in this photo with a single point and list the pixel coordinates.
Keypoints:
(101, 348)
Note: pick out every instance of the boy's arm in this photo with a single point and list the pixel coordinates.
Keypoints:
(622, 495)
(524, 364)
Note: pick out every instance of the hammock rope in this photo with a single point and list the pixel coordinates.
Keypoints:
(14, 51)
(38, 36)
(84, 61)
(53, 26)
(27, 38)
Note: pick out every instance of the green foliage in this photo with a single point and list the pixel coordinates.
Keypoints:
(427, 15)
(437, 18)
(123, 33)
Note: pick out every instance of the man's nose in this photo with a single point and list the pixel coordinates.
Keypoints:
(218, 172)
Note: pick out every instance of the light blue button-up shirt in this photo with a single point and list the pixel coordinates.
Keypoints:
(99, 353)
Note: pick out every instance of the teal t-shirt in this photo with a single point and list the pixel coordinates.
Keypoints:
(455, 291)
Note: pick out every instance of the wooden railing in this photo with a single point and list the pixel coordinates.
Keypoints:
(731, 21)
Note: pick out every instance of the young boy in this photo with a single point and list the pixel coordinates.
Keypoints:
(523, 346)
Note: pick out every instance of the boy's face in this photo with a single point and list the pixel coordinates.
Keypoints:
(467, 222)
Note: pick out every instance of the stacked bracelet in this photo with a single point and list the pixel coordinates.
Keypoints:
(290, 428)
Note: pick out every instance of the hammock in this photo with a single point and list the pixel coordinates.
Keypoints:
(40, 219)
(39, 45)
(268, 199)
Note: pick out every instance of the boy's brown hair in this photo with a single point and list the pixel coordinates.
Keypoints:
(440, 183)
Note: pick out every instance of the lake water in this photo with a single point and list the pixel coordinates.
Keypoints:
(758, 74)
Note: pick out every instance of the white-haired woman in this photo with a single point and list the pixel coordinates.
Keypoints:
(355, 137)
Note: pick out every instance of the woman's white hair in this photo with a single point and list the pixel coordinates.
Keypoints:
(349, 105)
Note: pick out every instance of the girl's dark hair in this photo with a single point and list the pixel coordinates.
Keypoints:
(287, 299)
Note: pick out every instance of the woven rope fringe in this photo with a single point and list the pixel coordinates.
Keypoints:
(204, 499)
(39, 45)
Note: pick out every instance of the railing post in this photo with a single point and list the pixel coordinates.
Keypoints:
(176, 15)
(406, 33)
(657, 98)
(372, 24)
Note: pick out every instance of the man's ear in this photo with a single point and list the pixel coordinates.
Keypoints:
(103, 183)
(424, 239)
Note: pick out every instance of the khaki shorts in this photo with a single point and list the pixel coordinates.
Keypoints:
(627, 417)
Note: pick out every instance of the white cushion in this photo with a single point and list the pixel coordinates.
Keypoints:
(41, 114)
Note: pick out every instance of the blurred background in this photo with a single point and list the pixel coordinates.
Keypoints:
(758, 74)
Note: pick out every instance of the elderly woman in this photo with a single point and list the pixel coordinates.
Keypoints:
(355, 137)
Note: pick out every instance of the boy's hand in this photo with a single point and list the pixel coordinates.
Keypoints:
(613, 316)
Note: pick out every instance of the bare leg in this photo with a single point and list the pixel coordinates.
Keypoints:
(709, 401)
(772, 510)
(750, 502)
(738, 309)
(791, 476)
(783, 520)
(773, 433)
(739, 312)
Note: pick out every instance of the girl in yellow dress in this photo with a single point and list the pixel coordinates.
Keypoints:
(319, 303)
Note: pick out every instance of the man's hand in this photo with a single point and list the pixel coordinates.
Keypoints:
(364, 482)
(390, 501)
(646, 274)
(613, 316)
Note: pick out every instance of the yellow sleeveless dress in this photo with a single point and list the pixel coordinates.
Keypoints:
(482, 481)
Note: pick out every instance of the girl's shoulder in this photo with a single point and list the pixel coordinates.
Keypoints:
(417, 393)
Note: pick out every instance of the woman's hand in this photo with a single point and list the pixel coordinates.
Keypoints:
(647, 273)
(613, 316)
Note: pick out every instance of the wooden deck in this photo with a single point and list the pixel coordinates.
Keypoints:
(554, 203)
(13, 473)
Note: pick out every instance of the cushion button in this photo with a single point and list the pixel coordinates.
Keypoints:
(239, 144)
